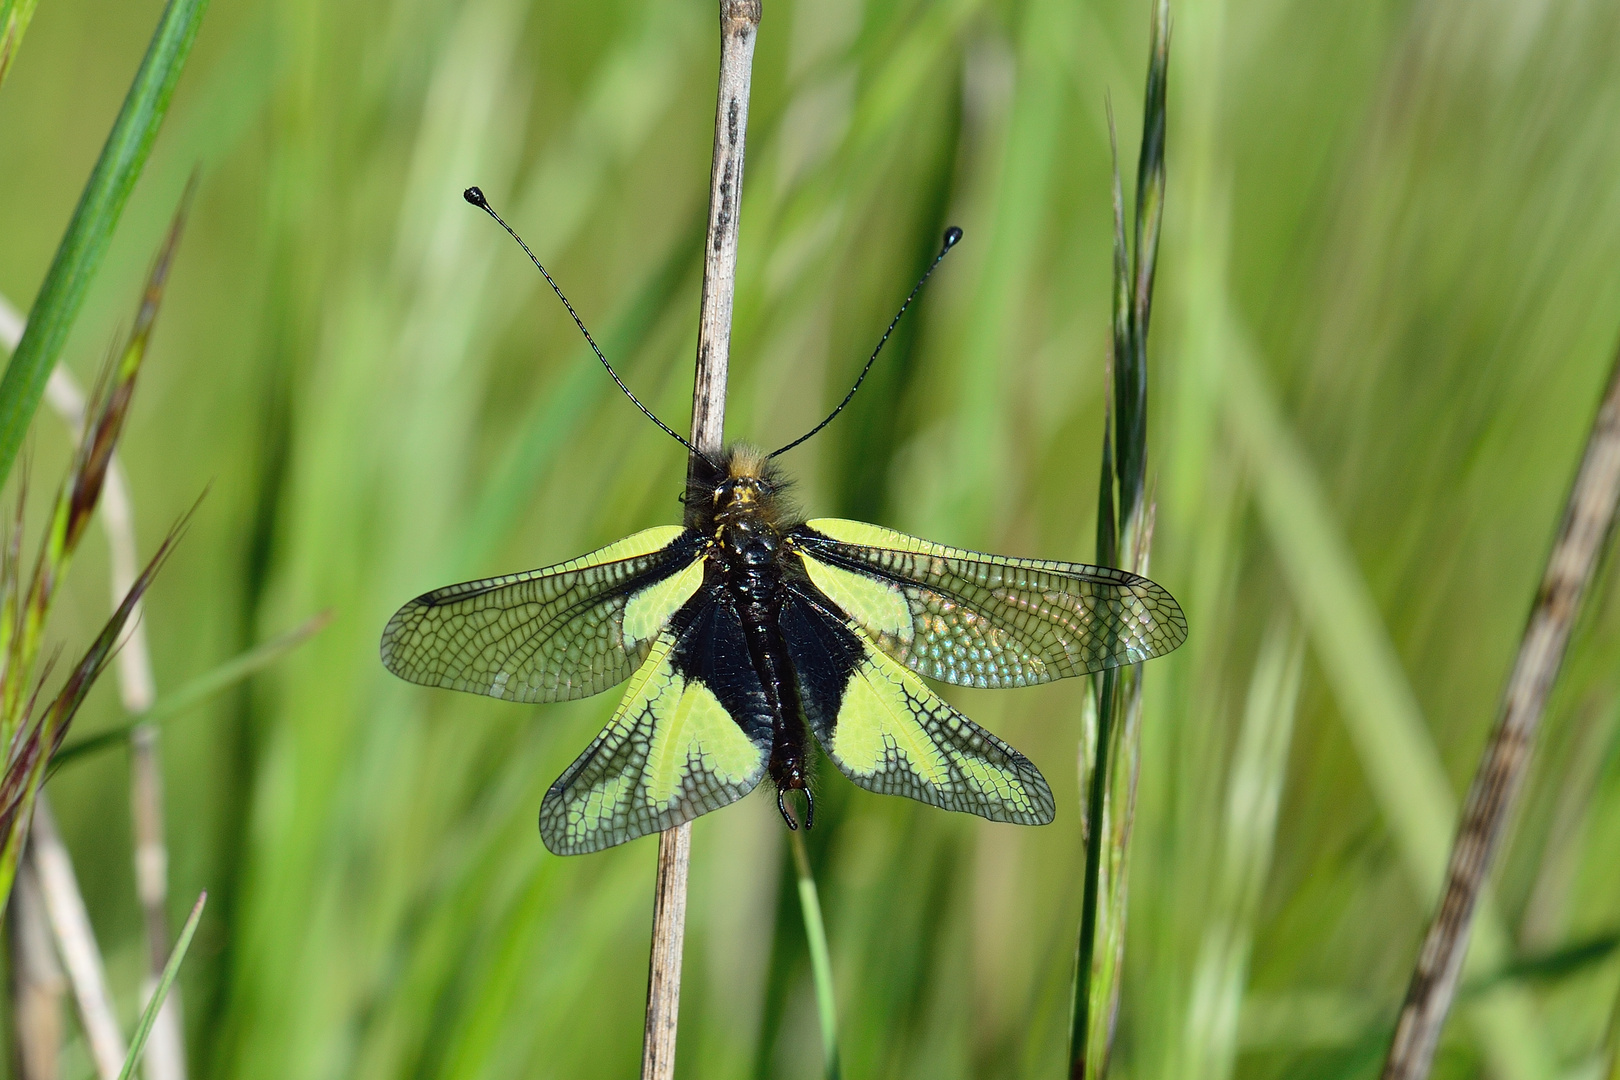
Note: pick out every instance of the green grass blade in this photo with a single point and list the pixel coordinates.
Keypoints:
(200, 689)
(1253, 797)
(1082, 1054)
(1612, 1042)
(1572, 959)
(1150, 177)
(84, 245)
(815, 933)
(161, 991)
(1365, 673)
(1130, 364)
(14, 16)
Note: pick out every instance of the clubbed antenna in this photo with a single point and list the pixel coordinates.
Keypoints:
(476, 197)
(952, 235)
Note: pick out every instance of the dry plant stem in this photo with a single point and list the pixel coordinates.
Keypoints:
(739, 22)
(50, 869)
(37, 981)
(165, 1048)
(70, 923)
(1588, 516)
(664, 960)
(165, 1053)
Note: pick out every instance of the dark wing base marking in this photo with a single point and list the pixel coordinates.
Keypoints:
(905, 739)
(670, 754)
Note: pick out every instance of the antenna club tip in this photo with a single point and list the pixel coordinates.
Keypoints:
(476, 197)
(952, 235)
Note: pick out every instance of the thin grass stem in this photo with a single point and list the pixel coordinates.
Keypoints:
(1587, 521)
(136, 689)
(739, 25)
(1124, 535)
(1080, 1048)
(38, 983)
(160, 994)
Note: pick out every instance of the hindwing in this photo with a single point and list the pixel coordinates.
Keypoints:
(562, 632)
(692, 734)
(889, 733)
(984, 620)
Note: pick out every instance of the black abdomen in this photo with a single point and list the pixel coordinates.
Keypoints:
(750, 558)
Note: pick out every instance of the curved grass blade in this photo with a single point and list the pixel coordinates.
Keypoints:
(199, 690)
(161, 991)
(26, 764)
(84, 244)
(815, 932)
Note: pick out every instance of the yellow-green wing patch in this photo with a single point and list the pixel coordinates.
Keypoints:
(648, 611)
(671, 752)
(876, 604)
(889, 733)
(562, 632)
(868, 535)
(897, 737)
(991, 621)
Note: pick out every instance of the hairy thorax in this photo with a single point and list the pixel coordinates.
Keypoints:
(748, 529)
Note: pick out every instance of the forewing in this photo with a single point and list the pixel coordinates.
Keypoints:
(562, 632)
(983, 620)
(692, 734)
(889, 733)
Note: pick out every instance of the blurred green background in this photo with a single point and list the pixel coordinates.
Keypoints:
(1389, 284)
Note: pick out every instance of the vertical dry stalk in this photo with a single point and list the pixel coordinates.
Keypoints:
(37, 981)
(1588, 516)
(64, 906)
(56, 907)
(739, 22)
(165, 1051)
(165, 1048)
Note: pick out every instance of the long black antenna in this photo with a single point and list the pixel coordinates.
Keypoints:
(952, 235)
(476, 197)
